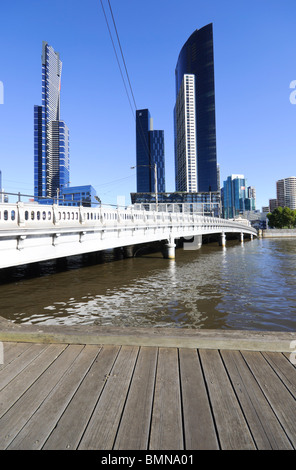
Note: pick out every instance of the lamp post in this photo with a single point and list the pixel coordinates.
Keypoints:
(155, 180)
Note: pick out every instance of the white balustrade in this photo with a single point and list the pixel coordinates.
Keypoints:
(38, 232)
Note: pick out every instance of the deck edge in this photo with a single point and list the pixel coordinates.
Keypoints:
(159, 337)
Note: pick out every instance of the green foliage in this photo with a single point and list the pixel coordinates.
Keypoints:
(282, 217)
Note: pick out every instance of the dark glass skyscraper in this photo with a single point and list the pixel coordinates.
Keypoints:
(51, 135)
(150, 152)
(195, 67)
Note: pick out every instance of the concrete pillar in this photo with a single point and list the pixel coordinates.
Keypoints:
(170, 248)
(222, 239)
(128, 251)
(194, 244)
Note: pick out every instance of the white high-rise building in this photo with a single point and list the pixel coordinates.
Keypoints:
(286, 192)
(185, 137)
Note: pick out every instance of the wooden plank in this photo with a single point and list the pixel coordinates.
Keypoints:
(16, 417)
(280, 399)
(12, 351)
(233, 432)
(199, 428)
(101, 431)
(39, 426)
(70, 428)
(166, 426)
(18, 386)
(264, 426)
(20, 363)
(133, 433)
(284, 369)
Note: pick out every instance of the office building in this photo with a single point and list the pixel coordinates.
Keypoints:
(194, 115)
(237, 197)
(273, 204)
(51, 135)
(150, 155)
(207, 204)
(78, 196)
(286, 192)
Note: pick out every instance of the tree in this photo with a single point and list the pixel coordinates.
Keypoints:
(282, 218)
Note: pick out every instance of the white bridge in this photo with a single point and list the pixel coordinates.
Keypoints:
(32, 233)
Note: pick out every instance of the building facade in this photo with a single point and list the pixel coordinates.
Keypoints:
(286, 192)
(237, 197)
(194, 114)
(79, 196)
(185, 132)
(273, 204)
(207, 204)
(150, 154)
(51, 135)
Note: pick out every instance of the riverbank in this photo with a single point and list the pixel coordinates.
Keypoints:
(279, 233)
(158, 337)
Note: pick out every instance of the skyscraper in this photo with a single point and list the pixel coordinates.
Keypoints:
(286, 192)
(194, 115)
(51, 135)
(237, 197)
(150, 152)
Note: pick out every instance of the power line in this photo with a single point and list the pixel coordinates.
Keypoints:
(122, 54)
(117, 56)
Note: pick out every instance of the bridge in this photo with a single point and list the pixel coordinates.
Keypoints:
(31, 232)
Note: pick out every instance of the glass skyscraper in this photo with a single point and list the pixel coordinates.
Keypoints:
(51, 135)
(149, 152)
(194, 115)
(237, 197)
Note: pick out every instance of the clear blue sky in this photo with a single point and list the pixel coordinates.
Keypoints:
(254, 49)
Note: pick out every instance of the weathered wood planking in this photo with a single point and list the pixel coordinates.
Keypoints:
(67, 396)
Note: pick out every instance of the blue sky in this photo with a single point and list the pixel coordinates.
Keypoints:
(254, 50)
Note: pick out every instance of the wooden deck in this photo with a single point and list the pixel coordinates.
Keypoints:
(121, 397)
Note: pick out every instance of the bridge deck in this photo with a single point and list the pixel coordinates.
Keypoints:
(126, 396)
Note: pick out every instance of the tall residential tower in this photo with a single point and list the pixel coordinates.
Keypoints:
(286, 192)
(51, 135)
(194, 115)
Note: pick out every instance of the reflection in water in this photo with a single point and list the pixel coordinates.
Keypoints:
(248, 286)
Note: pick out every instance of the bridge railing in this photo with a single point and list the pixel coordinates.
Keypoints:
(37, 216)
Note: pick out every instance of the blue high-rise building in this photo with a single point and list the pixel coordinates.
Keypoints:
(194, 115)
(150, 154)
(51, 135)
(237, 197)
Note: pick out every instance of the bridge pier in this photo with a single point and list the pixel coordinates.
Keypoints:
(128, 251)
(170, 248)
(222, 241)
(242, 237)
(194, 244)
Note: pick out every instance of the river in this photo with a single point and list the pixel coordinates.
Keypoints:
(249, 286)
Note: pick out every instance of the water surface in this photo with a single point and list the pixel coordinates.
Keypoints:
(243, 286)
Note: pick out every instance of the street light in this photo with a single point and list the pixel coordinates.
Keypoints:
(155, 179)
